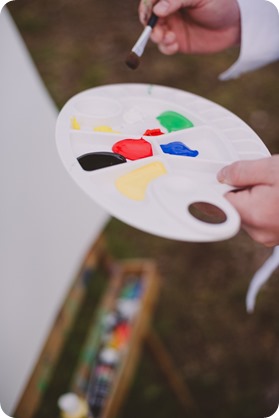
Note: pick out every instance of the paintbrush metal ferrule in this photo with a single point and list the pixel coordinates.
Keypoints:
(140, 45)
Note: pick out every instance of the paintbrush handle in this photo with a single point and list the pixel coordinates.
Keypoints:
(152, 20)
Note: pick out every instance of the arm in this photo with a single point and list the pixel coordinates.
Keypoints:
(259, 37)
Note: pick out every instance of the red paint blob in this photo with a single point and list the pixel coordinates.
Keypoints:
(153, 132)
(133, 149)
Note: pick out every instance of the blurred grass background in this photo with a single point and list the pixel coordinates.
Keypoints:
(229, 359)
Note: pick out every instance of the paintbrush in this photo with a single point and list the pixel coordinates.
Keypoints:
(133, 59)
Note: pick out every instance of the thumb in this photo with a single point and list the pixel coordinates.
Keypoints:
(246, 173)
(166, 7)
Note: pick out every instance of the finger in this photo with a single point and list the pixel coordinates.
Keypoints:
(249, 219)
(246, 173)
(166, 40)
(169, 38)
(145, 10)
(166, 7)
(169, 49)
(158, 33)
(267, 238)
(241, 201)
(251, 206)
(162, 34)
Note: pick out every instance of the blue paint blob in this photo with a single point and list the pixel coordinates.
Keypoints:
(178, 148)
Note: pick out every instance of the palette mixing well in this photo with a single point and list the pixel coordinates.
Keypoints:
(149, 155)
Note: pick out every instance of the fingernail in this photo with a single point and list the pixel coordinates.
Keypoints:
(222, 174)
(170, 37)
(161, 7)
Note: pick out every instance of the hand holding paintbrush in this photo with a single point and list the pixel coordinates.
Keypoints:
(193, 26)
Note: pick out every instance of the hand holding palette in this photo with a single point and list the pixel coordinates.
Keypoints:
(147, 154)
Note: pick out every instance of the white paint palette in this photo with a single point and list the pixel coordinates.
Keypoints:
(153, 152)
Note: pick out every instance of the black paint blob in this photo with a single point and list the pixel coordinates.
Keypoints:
(97, 160)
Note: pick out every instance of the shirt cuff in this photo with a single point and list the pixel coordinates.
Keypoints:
(259, 37)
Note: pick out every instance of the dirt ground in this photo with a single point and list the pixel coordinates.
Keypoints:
(228, 358)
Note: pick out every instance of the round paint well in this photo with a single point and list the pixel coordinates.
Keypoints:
(207, 212)
(99, 107)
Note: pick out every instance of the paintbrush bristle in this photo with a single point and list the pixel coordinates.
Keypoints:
(133, 60)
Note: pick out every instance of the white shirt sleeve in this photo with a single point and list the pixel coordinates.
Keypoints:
(259, 37)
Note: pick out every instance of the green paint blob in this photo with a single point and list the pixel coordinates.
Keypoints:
(173, 121)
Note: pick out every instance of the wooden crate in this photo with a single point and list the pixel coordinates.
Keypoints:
(147, 272)
(117, 272)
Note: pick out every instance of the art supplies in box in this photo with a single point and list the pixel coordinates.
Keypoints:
(116, 325)
(105, 353)
(148, 154)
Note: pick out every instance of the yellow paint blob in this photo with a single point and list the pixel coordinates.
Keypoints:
(74, 123)
(105, 128)
(134, 184)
